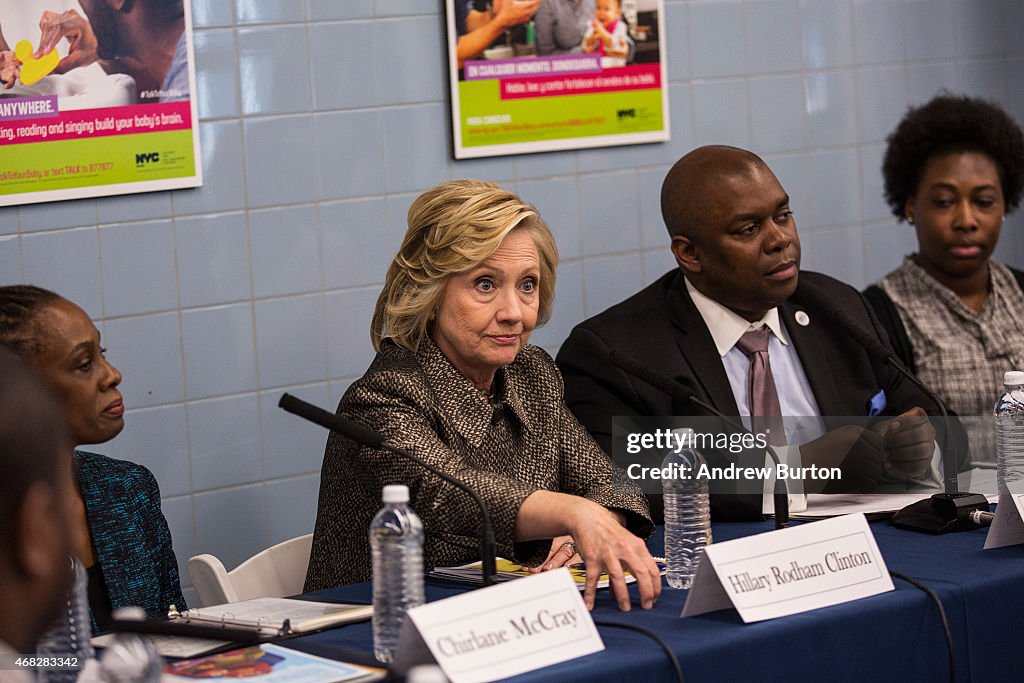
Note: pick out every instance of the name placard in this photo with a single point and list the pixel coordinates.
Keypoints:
(790, 570)
(1008, 524)
(502, 630)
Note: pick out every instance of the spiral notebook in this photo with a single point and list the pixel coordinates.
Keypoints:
(276, 616)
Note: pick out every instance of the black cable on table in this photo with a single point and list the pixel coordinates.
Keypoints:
(673, 660)
(942, 616)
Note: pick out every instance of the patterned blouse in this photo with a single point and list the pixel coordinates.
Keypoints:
(130, 534)
(961, 354)
(506, 447)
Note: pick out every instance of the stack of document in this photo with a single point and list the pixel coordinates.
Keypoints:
(197, 631)
(509, 570)
(276, 616)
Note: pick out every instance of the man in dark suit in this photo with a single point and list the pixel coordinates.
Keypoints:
(735, 240)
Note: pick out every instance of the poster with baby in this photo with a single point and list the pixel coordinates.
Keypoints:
(542, 75)
(96, 98)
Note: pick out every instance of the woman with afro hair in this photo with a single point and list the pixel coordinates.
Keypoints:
(953, 169)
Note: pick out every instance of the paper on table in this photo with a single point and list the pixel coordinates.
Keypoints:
(509, 570)
(271, 663)
(270, 614)
(820, 505)
(171, 646)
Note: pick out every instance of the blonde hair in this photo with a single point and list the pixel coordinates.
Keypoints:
(452, 229)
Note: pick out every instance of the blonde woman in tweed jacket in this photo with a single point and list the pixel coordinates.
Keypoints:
(456, 383)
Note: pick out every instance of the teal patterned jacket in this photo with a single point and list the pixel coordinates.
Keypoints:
(130, 534)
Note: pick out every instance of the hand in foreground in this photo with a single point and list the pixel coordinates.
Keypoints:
(601, 32)
(10, 69)
(909, 444)
(82, 45)
(512, 12)
(607, 546)
(859, 453)
(562, 553)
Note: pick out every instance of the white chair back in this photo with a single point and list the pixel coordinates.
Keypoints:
(276, 572)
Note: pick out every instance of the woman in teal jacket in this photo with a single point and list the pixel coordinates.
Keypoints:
(120, 533)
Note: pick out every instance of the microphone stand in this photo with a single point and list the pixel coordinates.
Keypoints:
(677, 390)
(943, 512)
(364, 435)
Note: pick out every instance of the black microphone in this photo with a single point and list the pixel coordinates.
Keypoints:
(338, 423)
(943, 512)
(881, 354)
(683, 393)
(368, 437)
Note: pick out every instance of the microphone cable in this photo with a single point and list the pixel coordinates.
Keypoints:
(942, 616)
(673, 660)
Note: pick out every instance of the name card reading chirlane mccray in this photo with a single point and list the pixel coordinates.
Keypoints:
(501, 631)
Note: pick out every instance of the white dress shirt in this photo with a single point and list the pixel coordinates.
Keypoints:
(796, 400)
(800, 413)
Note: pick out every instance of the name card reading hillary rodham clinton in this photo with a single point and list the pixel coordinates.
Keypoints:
(500, 631)
(1008, 524)
(790, 570)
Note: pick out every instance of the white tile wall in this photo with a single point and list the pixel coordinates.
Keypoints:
(322, 119)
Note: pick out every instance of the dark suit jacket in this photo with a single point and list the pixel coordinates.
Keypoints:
(130, 534)
(661, 327)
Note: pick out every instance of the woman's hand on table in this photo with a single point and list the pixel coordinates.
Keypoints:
(608, 546)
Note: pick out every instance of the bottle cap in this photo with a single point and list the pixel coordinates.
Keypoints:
(426, 673)
(685, 435)
(396, 493)
(1013, 378)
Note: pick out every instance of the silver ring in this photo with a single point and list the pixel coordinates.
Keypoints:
(571, 546)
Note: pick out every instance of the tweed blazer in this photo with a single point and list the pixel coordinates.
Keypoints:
(506, 447)
(130, 534)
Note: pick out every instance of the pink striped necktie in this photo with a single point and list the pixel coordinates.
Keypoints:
(764, 399)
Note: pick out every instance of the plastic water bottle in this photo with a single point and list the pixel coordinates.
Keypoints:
(1009, 414)
(687, 513)
(69, 634)
(396, 540)
(130, 657)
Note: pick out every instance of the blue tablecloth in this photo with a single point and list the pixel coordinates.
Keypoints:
(895, 636)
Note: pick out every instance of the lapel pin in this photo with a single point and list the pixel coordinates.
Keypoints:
(802, 319)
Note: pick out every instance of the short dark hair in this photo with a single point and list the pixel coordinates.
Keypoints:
(32, 432)
(683, 206)
(952, 123)
(20, 306)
